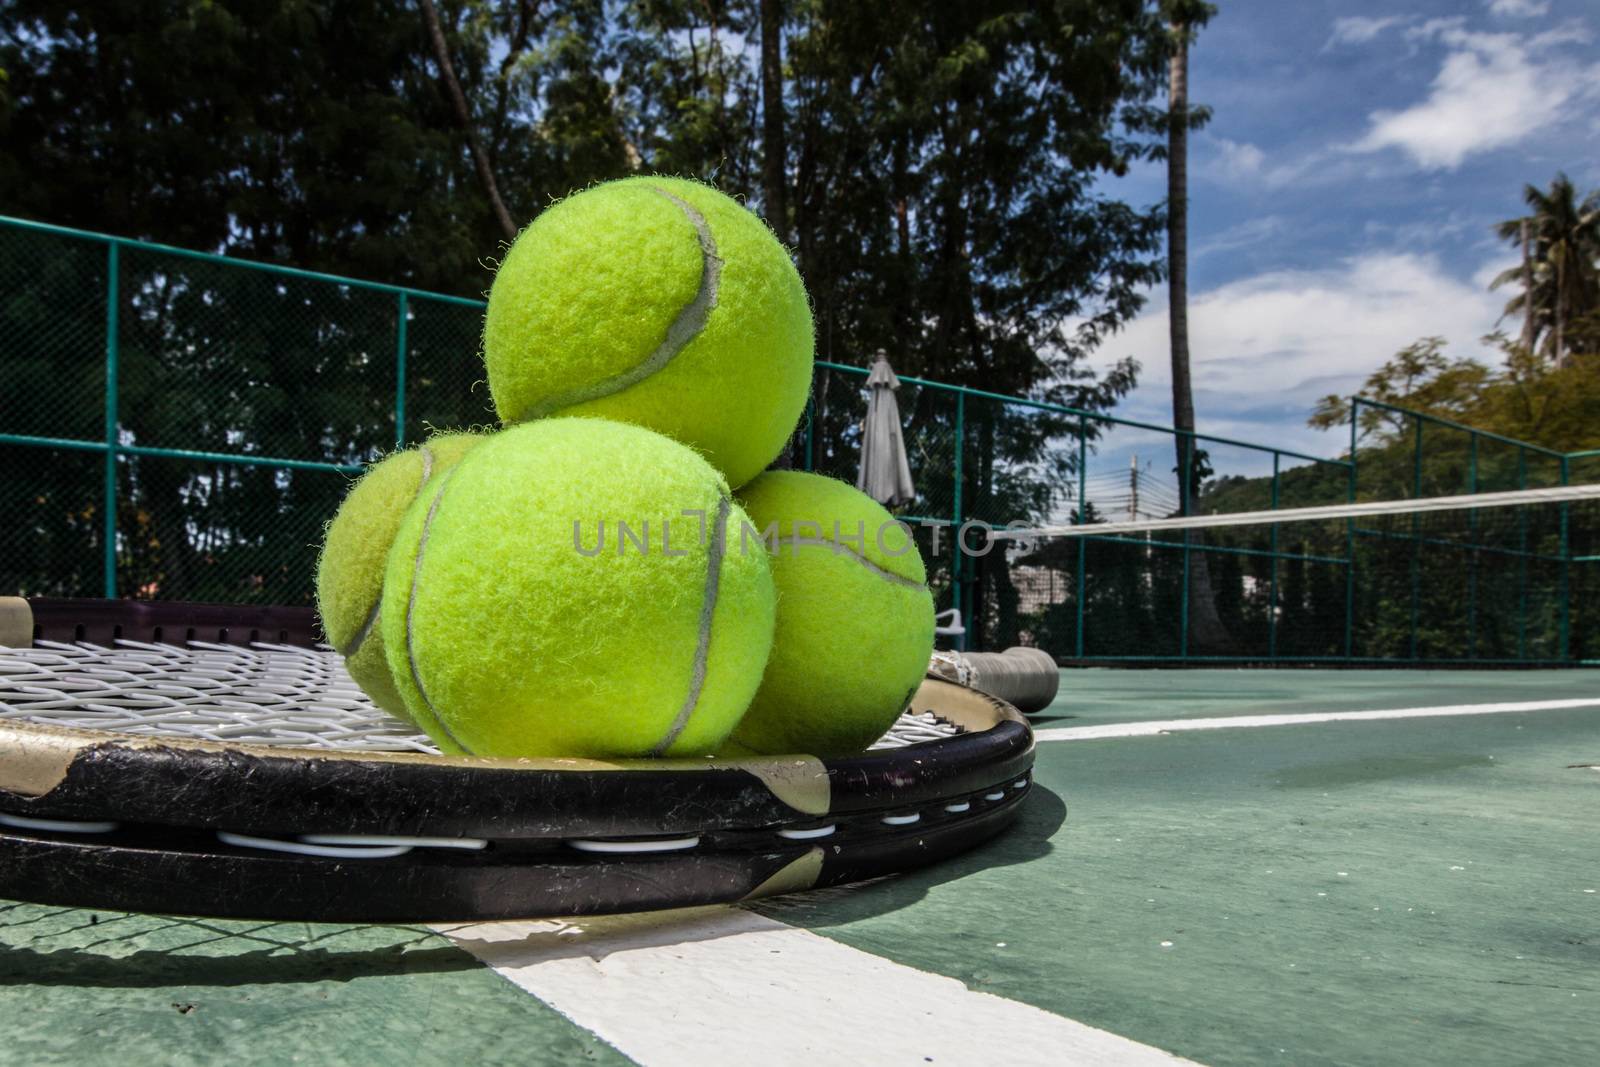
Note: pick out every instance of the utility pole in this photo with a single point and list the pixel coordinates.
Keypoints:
(1133, 488)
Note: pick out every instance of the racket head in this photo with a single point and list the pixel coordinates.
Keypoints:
(153, 821)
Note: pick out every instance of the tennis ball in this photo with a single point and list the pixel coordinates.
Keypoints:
(660, 302)
(350, 568)
(575, 587)
(855, 618)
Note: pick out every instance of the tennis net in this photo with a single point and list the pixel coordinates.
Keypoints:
(1505, 577)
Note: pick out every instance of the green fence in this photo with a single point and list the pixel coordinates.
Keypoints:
(1490, 586)
(181, 425)
(989, 460)
(174, 424)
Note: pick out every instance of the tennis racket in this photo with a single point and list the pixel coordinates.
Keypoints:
(215, 760)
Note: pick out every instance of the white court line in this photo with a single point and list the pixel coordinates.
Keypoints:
(722, 985)
(1171, 726)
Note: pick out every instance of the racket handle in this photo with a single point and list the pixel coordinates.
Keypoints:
(1025, 678)
(16, 623)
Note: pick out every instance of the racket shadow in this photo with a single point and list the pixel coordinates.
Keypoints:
(45, 946)
(1030, 838)
(522, 944)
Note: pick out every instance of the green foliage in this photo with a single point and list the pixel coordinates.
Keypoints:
(946, 202)
(1531, 396)
(1563, 232)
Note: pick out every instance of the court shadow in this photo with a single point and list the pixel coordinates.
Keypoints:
(520, 944)
(214, 954)
(64, 947)
(1029, 838)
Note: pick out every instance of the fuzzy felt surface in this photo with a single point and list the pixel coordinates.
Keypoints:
(594, 289)
(855, 619)
(523, 621)
(355, 549)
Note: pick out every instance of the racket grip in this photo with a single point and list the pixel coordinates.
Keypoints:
(1025, 678)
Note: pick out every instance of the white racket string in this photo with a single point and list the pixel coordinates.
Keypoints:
(264, 694)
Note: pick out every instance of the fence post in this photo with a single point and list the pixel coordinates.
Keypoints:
(958, 598)
(1350, 533)
(1472, 574)
(1272, 596)
(113, 436)
(1081, 590)
(1522, 559)
(1185, 471)
(811, 425)
(1566, 565)
(403, 310)
(1416, 542)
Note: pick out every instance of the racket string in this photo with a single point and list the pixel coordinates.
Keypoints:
(261, 694)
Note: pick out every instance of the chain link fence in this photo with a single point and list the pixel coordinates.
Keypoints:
(1496, 586)
(180, 425)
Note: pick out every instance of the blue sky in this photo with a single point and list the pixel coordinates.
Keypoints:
(1343, 193)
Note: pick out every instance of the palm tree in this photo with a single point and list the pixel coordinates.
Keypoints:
(1207, 634)
(1560, 274)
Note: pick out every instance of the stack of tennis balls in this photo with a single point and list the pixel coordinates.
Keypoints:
(593, 580)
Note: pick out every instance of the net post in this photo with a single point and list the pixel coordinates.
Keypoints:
(402, 313)
(113, 438)
(1080, 591)
(1272, 596)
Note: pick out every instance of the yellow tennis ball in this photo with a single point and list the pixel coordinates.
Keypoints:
(350, 568)
(575, 587)
(660, 302)
(855, 618)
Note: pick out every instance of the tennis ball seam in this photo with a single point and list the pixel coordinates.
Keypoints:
(411, 605)
(708, 609)
(798, 542)
(687, 325)
(365, 630)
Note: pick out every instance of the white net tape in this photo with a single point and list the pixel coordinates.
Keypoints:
(264, 694)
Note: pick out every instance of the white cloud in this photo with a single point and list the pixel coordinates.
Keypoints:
(1519, 9)
(1237, 159)
(1265, 348)
(1493, 90)
(1359, 29)
(1247, 234)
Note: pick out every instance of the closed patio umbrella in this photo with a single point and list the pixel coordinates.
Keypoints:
(885, 474)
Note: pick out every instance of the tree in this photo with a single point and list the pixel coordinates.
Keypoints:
(1207, 633)
(1561, 278)
(458, 101)
(940, 169)
(774, 144)
(933, 147)
(313, 134)
(1419, 377)
(1528, 397)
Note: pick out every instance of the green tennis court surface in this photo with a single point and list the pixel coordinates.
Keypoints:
(1415, 888)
